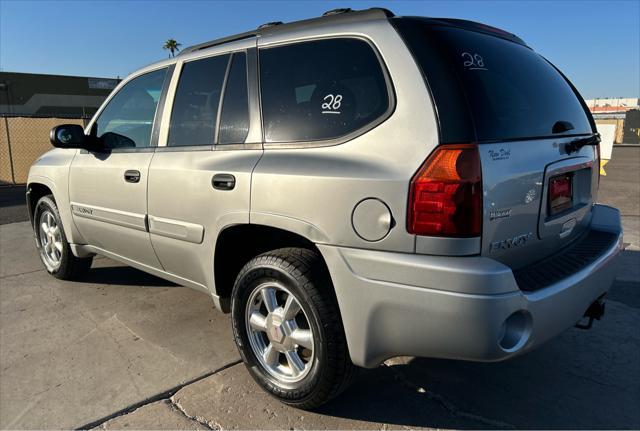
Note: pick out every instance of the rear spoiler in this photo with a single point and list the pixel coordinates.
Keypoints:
(472, 26)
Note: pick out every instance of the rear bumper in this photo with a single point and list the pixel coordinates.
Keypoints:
(467, 308)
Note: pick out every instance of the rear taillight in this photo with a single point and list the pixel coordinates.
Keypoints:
(445, 197)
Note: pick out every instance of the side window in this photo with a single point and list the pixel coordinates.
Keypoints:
(234, 119)
(127, 121)
(321, 89)
(195, 107)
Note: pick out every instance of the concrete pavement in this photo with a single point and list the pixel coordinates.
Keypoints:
(123, 349)
(73, 353)
(116, 350)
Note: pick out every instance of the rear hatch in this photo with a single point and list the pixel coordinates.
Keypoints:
(531, 126)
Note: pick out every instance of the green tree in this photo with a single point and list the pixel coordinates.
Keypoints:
(172, 45)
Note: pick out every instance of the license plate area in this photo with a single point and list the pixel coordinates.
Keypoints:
(560, 193)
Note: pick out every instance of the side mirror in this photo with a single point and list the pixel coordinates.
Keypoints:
(68, 136)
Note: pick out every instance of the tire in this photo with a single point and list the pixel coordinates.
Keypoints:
(51, 242)
(325, 369)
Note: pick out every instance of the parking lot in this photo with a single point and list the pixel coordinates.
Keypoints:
(123, 349)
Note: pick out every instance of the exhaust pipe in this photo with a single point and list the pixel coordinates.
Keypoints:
(595, 311)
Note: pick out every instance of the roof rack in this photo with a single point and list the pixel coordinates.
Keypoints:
(215, 42)
(269, 24)
(274, 26)
(337, 11)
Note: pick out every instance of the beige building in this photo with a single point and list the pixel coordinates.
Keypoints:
(623, 112)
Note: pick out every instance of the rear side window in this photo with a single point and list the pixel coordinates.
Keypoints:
(320, 89)
(234, 119)
(488, 89)
(195, 107)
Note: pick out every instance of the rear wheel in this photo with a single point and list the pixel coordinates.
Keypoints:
(288, 329)
(52, 244)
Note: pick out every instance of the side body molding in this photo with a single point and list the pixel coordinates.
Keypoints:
(108, 215)
(182, 230)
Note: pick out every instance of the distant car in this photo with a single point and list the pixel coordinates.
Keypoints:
(351, 188)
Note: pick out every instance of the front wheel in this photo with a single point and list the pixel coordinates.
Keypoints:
(288, 328)
(52, 244)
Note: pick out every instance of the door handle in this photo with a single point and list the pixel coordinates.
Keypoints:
(132, 176)
(223, 182)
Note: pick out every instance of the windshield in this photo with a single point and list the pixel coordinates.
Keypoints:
(489, 89)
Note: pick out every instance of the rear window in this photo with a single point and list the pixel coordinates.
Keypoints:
(234, 119)
(488, 89)
(195, 107)
(320, 89)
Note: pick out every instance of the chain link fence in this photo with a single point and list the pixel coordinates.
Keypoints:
(22, 141)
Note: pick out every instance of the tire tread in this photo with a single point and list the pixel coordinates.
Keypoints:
(307, 268)
(71, 267)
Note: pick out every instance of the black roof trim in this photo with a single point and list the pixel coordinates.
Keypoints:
(337, 11)
(269, 24)
(220, 41)
(271, 28)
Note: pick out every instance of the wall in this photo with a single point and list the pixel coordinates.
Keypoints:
(22, 141)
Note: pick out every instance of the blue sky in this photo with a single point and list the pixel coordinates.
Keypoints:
(596, 43)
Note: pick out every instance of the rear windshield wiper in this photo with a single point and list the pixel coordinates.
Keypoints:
(561, 127)
(576, 144)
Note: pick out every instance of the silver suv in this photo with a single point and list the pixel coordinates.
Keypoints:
(351, 188)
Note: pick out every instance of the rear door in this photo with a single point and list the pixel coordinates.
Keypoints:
(522, 222)
(492, 90)
(200, 177)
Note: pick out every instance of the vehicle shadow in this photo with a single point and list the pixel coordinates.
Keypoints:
(577, 381)
(122, 275)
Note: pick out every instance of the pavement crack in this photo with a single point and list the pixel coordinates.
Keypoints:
(166, 395)
(199, 419)
(21, 273)
(446, 404)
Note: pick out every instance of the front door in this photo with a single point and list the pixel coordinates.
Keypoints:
(108, 188)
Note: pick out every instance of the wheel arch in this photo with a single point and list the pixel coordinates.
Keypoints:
(35, 191)
(237, 244)
(39, 186)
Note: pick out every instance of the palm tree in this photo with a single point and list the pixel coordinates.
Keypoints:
(172, 45)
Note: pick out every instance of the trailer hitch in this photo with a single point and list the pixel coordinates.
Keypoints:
(594, 312)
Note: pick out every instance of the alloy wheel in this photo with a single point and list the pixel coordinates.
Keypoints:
(279, 332)
(50, 239)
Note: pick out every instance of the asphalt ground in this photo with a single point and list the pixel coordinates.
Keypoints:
(12, 204)
(123, 349)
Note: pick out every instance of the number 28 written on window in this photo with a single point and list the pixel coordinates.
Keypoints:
(332, 104)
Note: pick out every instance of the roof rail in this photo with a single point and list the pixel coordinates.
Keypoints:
(215, 42)
(269, 24)
(274, 26)
(337, 11)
